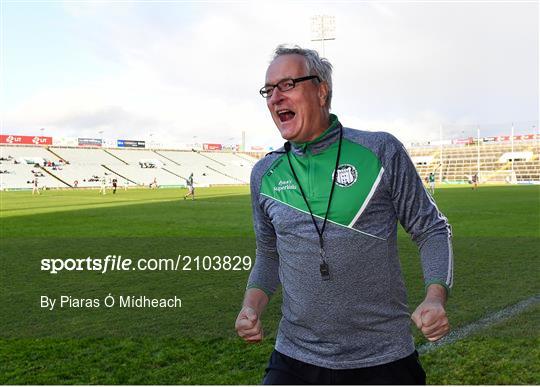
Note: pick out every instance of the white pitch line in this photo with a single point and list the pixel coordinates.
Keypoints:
(483, 323)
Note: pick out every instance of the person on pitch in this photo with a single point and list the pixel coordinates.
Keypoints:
(474, 181)
(103, 187)
(35, 187)
(325, 210)
(190, 187)
(431, 179)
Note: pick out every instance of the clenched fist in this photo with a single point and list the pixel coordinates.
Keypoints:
(248, 325)
(430, 316)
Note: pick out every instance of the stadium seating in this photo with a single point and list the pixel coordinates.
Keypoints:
(206, 171)
(232, 165)
(458, 163)
(85, 166)
(495, 162)
(20, 164)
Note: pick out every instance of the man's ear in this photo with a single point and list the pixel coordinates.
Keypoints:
(323, 93)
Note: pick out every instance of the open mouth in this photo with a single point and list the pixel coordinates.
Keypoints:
(285, 115)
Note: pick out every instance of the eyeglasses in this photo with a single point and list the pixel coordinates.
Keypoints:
(285, 85)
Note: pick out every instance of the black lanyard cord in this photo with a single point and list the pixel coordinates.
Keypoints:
(320, 232)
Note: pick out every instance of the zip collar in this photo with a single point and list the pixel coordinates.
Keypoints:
(318, 145)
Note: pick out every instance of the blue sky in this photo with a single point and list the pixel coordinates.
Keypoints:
(190, 71)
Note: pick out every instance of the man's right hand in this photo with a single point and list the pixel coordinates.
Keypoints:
(248, 325)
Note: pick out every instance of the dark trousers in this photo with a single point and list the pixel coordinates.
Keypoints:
(283, 369)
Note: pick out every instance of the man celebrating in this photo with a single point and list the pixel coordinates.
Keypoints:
(325, 210)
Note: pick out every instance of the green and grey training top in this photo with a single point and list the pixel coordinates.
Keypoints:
(358, 318)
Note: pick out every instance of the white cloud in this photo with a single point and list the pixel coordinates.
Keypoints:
(184, 70)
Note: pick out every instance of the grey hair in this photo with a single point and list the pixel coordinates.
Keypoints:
(315, 65)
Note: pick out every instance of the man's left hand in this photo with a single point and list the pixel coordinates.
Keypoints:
(430, 316)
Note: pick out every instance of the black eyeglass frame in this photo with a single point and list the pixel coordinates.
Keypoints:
(263, 90)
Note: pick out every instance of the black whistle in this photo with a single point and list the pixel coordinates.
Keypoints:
(325, 271)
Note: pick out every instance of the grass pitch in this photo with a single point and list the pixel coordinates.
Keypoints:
(496, 246)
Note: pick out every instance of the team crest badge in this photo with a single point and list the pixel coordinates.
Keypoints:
(346, 175)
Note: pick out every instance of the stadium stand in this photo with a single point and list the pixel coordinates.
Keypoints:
(21, 165)
(493, 162)
(232, 165)
(85, 166)
(61, 167)
(206, 170)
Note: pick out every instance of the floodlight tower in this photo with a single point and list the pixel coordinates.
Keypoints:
(441, 152)
(323, 27)
(512, 143)
(537, 138)
(478, 153)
